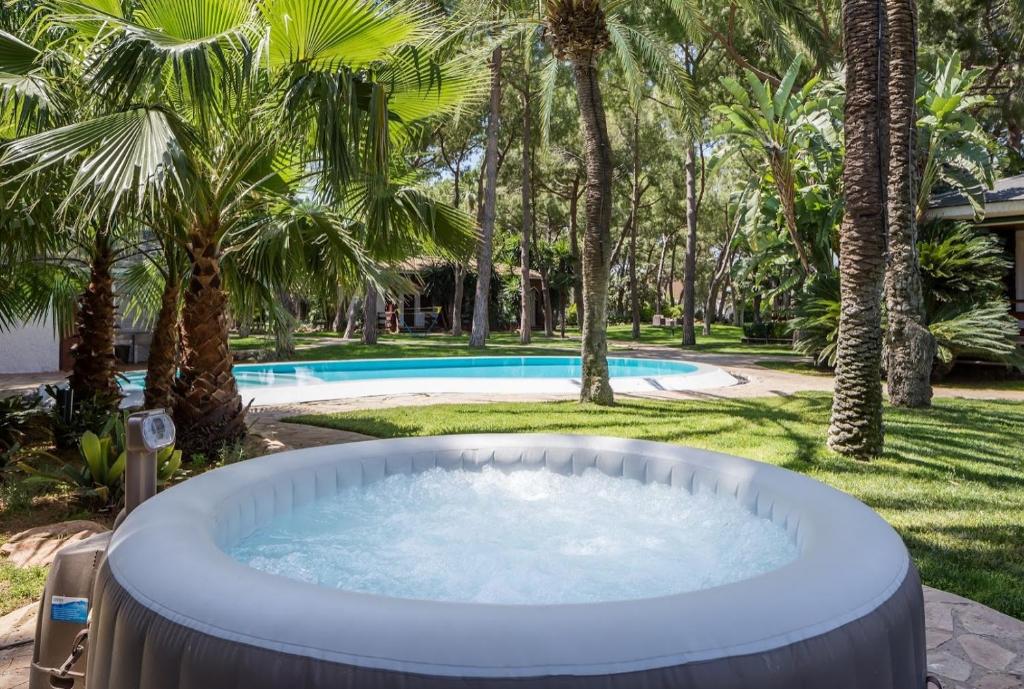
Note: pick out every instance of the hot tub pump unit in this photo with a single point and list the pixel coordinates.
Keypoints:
(62, 626)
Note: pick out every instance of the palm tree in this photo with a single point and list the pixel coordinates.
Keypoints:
(579, 34)
(341, 103)
(910, 347)
(855, 427)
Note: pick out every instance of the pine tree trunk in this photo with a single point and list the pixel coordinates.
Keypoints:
(574, 252)
(352, 314)
(910, 348)
(94, 372)
(549, 316)
(339, 312)
(690, 265)
(660, 280)
(481, 318)
(208, 409)
(460, 279)
(525, 312)
(634, 220)
(162, 365)
(856, 425)
(370, 315)
(597, 239)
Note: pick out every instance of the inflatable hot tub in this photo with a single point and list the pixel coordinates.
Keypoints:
(172, 610)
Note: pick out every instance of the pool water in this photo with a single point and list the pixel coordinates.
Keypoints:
(319, 372)
(525, 537)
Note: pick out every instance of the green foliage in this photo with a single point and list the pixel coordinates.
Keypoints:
(816, 325)
(72, 416)
(965, 308)
(22, 420)
(97, 475)
(954, 151)
(766, 330)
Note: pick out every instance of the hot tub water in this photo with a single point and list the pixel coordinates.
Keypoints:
(526, 537)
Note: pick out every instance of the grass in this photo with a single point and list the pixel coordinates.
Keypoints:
(950, 480)
(19, 586)
(803, 368)
(725, 339)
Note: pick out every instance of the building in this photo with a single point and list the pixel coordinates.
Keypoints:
(427, 305)
(1004, 215)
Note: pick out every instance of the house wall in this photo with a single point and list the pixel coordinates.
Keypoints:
(30, 348)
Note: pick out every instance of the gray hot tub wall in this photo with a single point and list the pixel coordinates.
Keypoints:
(299, 637)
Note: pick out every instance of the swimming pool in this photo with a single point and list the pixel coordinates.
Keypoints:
(281, 383)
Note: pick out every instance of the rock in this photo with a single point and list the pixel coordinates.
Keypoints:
(18, 626)
(37, 546)
(987, 622)
(984, 652)
(936, 637)
(1000, 681)
(948, 665)
(938, 615)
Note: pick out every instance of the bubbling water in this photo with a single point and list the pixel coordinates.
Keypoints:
(525, 537)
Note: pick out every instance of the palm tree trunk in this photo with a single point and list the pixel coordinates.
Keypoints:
(350, 317)
(162, 364)
(478, 337)
(370, 315)
(856, 424)
(690, 265)
(597, 235)
(208, 409)
(94, 372)
(910, 347)
(525, 312)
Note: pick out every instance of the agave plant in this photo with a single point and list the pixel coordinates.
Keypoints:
(98, 474)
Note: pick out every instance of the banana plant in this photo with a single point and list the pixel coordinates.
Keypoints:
(775, 131)
(954, 150)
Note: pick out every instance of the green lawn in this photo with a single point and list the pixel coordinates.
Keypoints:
(804, 368)
(951, 481)
(20, 586)
(725, 339)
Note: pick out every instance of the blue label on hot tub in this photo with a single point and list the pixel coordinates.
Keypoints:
(67, 609)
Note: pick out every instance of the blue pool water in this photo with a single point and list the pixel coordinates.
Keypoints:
(319, 372)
